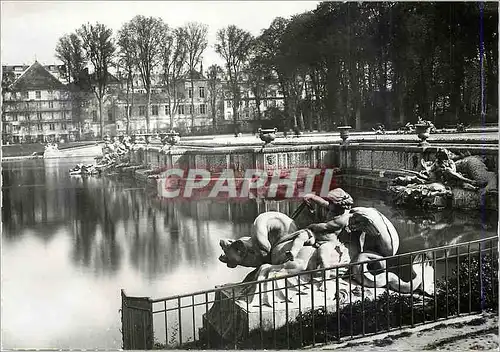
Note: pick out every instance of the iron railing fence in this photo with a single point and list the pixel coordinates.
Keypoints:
(321, 306)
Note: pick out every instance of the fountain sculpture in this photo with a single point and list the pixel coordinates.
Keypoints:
(442, 180)
(276, 248)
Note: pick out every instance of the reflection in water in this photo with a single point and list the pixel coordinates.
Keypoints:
(70, 245)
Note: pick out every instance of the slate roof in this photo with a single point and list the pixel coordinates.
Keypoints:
(196, 75)
(36, 77)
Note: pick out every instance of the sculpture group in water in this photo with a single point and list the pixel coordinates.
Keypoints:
(115, 153)
(432, 187)
(278, 248)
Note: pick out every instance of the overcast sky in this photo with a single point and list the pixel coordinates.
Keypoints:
(30, 29)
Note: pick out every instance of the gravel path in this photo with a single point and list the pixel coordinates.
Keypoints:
(479, 332)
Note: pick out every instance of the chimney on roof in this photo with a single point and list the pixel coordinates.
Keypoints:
(201, 69)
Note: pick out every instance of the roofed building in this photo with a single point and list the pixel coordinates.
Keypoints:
(37, 107)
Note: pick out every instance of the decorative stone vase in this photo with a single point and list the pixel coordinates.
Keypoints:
(267, 135)
(121, 137)
(344, 133)
(140, 139)
(171, 138)
(106, 138)
(423, 132)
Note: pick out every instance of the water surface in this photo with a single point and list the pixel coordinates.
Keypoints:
(70, 244)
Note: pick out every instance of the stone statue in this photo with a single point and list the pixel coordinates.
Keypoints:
(432, 187)
(277, 248)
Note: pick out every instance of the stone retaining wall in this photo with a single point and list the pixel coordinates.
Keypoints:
(352, 158)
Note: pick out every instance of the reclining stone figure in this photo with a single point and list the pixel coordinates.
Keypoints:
(432, 186)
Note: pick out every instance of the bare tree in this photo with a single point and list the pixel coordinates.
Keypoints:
(196, 43)
(99, 49)
(69, 50)
(234, 45)
(215, 75)
(127, 59)
(147, 36)
(174, 56)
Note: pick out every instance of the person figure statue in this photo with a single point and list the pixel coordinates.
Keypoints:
(443, 169)
(339, 203)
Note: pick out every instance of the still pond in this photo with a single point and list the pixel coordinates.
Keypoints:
(70, 244)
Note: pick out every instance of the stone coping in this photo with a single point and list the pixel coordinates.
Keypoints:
(406, 147)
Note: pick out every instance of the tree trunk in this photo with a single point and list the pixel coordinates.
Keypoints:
(171, 112)
(127, 107)
(100, 116)
(235, 107)
(132, 102)
(257, 105)
(148, 106)
(192, 101)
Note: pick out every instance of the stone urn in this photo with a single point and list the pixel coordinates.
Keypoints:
(267, 135)
(171, 138)
(106, 138)
(140, 139)
(121, 137)
(344, 133)
(423, 132)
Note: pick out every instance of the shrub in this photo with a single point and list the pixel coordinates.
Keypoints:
(387, 311)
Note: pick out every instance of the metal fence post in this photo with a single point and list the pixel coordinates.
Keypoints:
(137, 322)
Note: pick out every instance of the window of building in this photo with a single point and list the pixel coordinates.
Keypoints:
(273, 103)
(38, 94)
(190, 92)
(52, 115)
(142, 110)
(265, 103)
(52, 126)
(202, 92)
(246, 103)
(27, 116)
(129, 111)
(63, 126)
(167, 109)
(14, 117)
(51, 104)
(40, 127)
(63, 113)
(39, 115)
(229, 104)
(154, 110)
(203, 109)
(26, 95)
(190, 109)
(94, 115)
(181, 109)
(110, 114)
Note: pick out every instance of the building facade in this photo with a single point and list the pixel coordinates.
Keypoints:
(248, 110)
(189, 108)
(40, 107)
(37, 107)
